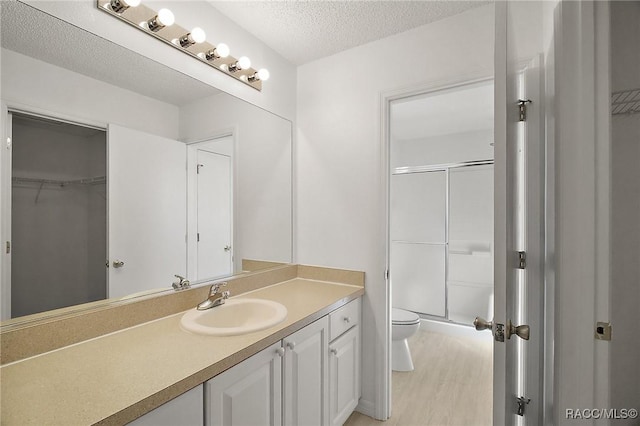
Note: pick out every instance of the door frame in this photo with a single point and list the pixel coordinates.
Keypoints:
(192, 146)
(382, 410)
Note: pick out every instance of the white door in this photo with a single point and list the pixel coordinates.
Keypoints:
(306, 375)
(519, 143)
(214, 207)
(147, 211)
(249, 393)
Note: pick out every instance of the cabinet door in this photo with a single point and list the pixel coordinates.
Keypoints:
(306, 375)
(185, 410)
(344, 375)
(249, 393)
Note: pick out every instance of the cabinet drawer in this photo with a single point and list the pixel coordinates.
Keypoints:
(344, 318)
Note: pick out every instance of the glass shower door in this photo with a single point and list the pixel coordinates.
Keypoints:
(418, 241)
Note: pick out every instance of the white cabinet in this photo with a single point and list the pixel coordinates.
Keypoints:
(306, 375)
(344, 362)
(185, 410)
(301, 380)
(344, 380)
(249, 393)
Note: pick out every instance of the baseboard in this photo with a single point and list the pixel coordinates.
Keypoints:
(367, 408)
(455, 330)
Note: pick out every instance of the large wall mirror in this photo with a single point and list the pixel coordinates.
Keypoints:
(122, 173)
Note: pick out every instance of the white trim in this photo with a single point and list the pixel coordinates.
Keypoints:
(367, 408)
(5, 213)
(582, 244)
(500, 202)
(54, 115)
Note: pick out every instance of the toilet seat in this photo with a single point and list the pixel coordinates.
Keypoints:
(402, 317)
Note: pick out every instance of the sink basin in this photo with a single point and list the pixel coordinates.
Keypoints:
(236, 316)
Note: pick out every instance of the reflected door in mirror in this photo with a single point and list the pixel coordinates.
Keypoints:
(215, 201)
(147, 212)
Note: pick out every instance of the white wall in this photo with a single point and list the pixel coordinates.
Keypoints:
(340, 212)
(37, 86)
(278, 94)
(625, 211)
(262, 172)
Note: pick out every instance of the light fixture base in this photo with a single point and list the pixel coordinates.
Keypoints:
(135, 15)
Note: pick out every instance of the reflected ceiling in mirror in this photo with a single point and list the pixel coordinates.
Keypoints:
(53, 69)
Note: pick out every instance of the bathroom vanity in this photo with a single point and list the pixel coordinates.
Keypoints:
(303, 370)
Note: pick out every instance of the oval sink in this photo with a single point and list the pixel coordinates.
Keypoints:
(236, 316)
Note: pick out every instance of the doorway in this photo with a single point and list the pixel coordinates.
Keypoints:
(441, 250)
(58, 214)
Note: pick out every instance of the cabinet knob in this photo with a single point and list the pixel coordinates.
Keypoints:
(334, 351)
(280, 352)
(291, 345)
(347, 319)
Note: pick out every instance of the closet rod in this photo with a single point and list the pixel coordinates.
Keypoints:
(84, 181)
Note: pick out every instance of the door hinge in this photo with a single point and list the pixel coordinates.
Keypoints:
(522, 106)
(522, 403)
(386, 274)
(522, 260)
(8, 247)
(198, 237)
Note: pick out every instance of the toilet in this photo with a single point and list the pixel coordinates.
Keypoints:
(404, 324)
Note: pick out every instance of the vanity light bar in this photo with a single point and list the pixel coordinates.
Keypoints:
(160, 24)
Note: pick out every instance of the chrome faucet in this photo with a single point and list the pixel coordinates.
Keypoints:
(181, 284)
(215, 297)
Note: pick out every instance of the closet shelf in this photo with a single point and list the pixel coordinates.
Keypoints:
(85, 181)
(625, 102)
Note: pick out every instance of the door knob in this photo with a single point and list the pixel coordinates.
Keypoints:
(497, 329)
(522, 331)
(482, 324)
(227, 248)
(118, 263)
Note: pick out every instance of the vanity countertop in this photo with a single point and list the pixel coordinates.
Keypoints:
(117, 377)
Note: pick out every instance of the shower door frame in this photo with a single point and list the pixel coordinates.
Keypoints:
(443, 167)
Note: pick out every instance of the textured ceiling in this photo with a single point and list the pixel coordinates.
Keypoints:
(302, 31)
(33, 33)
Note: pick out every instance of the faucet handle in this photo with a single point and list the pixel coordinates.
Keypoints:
(216, 287)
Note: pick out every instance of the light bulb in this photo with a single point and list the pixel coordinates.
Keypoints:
(165, 17)
(198, 35)
(162, 19)
(222, 50)
(243, 63)
(120, 6)
(263, 74)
